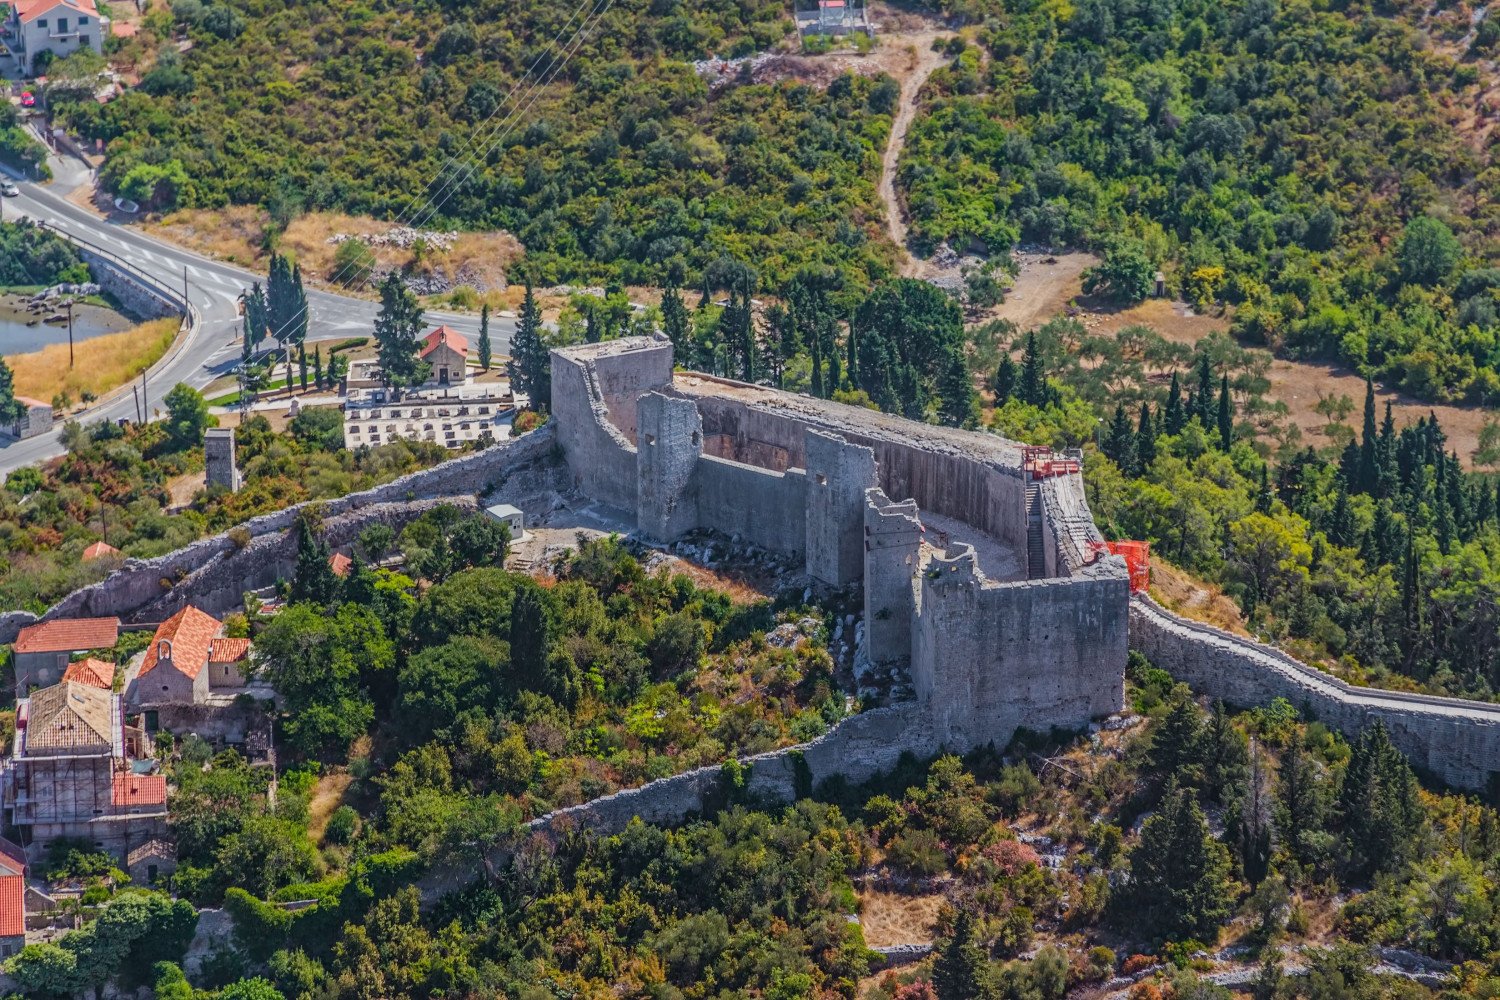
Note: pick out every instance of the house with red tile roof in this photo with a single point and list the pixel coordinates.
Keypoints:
(95, 673)
(12, 898)
(340, 564)
(447, 351)
(41, 652)
(189, 656)
(99, 550)
(60, 27)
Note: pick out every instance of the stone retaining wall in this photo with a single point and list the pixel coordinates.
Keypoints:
(214, 572)
(1451, 739)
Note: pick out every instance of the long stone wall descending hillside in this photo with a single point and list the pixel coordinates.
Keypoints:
(215, 571)
(1453, 740)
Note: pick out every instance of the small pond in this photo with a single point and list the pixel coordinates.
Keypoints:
(23, 331)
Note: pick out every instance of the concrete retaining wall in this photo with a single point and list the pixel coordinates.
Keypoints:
(137, 296)
(1453, 740)
(214, 572)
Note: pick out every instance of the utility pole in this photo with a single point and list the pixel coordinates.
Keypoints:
(136, 394)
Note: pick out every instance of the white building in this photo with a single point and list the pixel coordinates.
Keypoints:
(57, 26)
(452, 416)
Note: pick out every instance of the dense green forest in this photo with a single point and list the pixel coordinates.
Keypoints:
(1199, 829)
(621, 165)
(1294, 159)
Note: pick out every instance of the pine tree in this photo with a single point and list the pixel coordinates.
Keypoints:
(486, 351)
(1302, 805)
(1369, 466)
(1341, 526)
(530, 365)
(957, 403)
(397, 327)
(961, 971)
(1226, 415)
(1225, 756)
(1177, 744)
(1254, 820)
(1119, 445)
(1172, 418)
(592, 333)
(1179, 874)
(1145, 440)
(1033, 385)
(1005, 379)
(1378, 804)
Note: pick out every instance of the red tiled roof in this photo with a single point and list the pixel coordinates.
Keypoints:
(12, 905)
(138, 789)
(95, 673)
(68, 635)
(124, 29)
(99, 550)
(27, 10)
(12, 858)
(340, 564)
(444, 335)
(191, 632)
(228, 650)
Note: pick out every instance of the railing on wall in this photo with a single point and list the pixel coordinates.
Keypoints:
(167, 292)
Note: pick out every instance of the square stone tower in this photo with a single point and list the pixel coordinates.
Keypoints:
(218, 455)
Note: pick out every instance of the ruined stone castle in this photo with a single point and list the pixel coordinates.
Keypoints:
(1009, 615)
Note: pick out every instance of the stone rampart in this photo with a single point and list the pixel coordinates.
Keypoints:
(1451, 739)
(214, 572)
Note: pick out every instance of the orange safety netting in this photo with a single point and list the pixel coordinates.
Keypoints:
(1137, 557)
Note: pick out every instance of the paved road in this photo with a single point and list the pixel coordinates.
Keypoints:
(213, 349)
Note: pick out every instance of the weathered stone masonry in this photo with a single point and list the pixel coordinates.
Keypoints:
(1454, 740)
(814, 480)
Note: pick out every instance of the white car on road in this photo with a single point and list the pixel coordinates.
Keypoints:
(9, 189)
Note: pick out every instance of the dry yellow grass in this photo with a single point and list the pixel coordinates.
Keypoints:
(892, 918)
(102, 363)
(238, 234)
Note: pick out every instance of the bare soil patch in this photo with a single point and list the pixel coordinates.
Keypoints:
(1043, 288)
(181, 489)
(238, 234)
(328, 794)
(892, 918)
(1180, 592)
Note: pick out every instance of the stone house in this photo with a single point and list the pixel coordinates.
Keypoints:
(60, 27)
(187, 659)
(447, 351)
(78, 771)
(41, 652)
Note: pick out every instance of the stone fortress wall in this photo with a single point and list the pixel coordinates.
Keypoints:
(1452, 739)
(215, 572)
(814, 480)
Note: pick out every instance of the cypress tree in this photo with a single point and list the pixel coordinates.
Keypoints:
(1302, 805)
(1369, 468)
(1120, 443)
(529, 639)
(1411, 605)
(302, 365)
(314, 579)
(1264, 496)
(675, 323)
(1226, 415)
(1341, 525)
(1145, 440)
(591, 334)
(1033, 385)
(318, 367)
(1173, 417)
(531, 364)
(851, 363)
(1005, 379)
(486, 351)
(1205, 395)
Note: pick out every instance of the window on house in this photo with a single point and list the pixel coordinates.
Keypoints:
(62, 24)
(82, 21)
(42, 23)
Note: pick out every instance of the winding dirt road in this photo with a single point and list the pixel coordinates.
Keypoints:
(923, 60)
